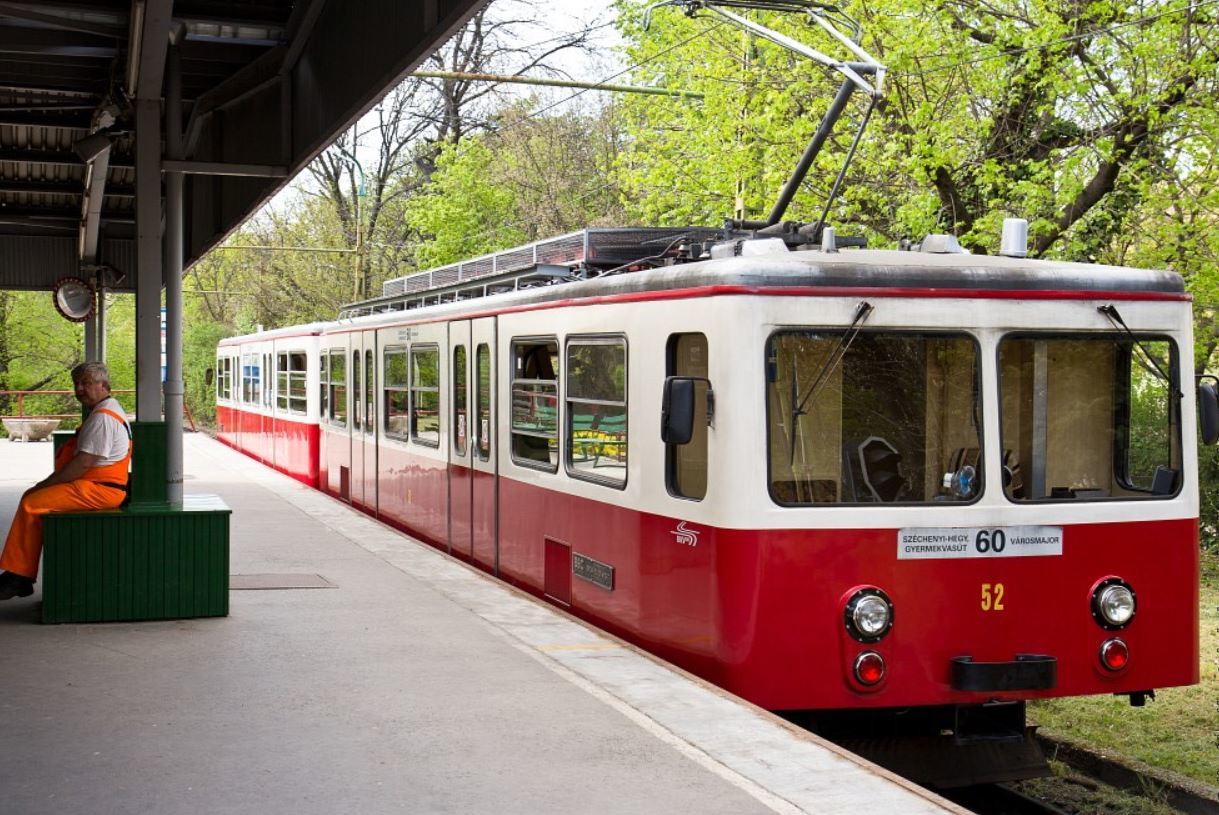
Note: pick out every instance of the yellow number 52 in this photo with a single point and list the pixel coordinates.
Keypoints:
(992, 596)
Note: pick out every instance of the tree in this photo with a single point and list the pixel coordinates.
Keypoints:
(529, 178)
(410, 127)
(1050, 110)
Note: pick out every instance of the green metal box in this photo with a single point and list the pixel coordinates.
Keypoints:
(138, 563)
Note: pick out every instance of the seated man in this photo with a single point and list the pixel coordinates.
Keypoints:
(90, 473)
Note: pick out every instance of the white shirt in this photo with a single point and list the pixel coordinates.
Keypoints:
(102, 436)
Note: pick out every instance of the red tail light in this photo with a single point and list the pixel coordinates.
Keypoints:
(1114, 654)
(869, 668)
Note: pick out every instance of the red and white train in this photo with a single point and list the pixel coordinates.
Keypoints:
(905, 480)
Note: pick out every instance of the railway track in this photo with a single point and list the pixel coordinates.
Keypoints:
(1095, 784)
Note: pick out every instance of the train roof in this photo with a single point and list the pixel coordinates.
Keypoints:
(307, 330)
(903, 272)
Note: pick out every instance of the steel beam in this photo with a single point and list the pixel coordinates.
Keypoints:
(148, 259)
(153, 42)
(91, 206)
(174, 387)
(221, 168)
(17, 11)
(59, 158)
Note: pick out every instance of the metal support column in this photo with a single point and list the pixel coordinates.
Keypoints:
(173, 279)
(148, 259)
(100, 319)
(91, 338)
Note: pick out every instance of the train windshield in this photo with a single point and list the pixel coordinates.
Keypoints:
(883, 417)
(1089, 417)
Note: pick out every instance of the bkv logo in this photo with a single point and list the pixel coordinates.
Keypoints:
(684, 535)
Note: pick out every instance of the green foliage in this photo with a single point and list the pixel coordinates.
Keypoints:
(530, 178)
(464, 212)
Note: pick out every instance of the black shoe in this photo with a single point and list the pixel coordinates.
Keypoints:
(15, 585)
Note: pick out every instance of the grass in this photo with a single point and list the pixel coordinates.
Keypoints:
(1179, 731)
(1076, 794)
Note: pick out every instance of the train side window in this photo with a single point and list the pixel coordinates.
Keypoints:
(249, 379)
(224, 378)
(425, 395)
(397, 394)
(370, 405)
(268, 385)
(482, 400)
(460, 415)
(357, 390)
(338, 387)
(323, 368)
(298, 396)
(686, 464)
(535, 403)
(596, 410)
(281, 381)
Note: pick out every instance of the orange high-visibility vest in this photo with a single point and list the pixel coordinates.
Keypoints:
(116, 473)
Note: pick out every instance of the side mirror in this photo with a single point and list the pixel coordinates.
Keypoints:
(1208, 410)
(677, 408)
(209, 377)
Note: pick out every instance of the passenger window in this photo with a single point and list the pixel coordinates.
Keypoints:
(370, 404)
(357, 392)
(686, 464)
(297, 394)
(482, 384)
(596, 410)
(460, 416)
(323, 367)
(267, 384)
(397, 394)
(338, 388)
(425, 395)
(535, 403)
(224, 378)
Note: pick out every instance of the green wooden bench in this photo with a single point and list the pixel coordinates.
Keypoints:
(137, 563)
(148, 561)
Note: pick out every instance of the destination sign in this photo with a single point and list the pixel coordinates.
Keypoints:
(932, 543)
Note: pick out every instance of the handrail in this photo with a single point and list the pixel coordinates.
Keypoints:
(21, 414)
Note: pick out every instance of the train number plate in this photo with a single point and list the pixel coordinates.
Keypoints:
(594, 571)
(935, 543)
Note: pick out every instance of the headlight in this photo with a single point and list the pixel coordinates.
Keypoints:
(1113, 604)
(869, 615)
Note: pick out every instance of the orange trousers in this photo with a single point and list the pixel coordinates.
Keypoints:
(24, 544)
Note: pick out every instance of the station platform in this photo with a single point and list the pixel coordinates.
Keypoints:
(406, 683)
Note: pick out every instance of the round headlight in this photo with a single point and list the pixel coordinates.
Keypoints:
(869, 615)
(1113, 604)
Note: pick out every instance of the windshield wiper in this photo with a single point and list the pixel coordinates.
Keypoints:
(831, 363)
(1148, 362)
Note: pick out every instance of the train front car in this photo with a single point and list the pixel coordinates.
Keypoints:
(976, 486)
(267, 388)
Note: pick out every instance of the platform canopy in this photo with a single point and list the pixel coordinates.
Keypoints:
(265, 86)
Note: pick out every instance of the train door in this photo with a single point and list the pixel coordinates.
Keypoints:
(364, 421)
(369, 439)
(461, 448)
(485, 487)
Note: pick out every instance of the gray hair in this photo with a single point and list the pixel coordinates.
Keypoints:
(92, 372)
